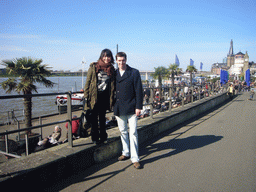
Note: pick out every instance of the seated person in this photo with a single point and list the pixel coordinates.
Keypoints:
(51, 139)
(157, 108)
(144, 112)
(75, 127)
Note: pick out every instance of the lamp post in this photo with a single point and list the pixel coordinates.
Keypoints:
(83, 63)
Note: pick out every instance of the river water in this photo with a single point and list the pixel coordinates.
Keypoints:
(41, 105)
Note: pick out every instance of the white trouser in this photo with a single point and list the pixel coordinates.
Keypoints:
(130, 145)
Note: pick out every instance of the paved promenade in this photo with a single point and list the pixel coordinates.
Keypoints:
(215, 152)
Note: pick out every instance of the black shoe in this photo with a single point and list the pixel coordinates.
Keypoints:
(104, 141)
(96, 142)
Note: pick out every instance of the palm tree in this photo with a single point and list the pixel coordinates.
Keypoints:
(191, 69)
(160, 73)
(174, 70)
(29, 71)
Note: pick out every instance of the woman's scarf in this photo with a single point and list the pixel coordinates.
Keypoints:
(107, 67)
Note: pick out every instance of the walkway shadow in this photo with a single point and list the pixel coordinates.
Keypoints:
(179, 146)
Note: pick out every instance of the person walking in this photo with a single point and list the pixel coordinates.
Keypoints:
(251, 94)
(129, 102)
(230, 91)
(99, 94)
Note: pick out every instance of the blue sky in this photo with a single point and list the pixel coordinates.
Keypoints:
(62, 32)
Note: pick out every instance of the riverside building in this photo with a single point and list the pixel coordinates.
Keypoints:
(237, 63)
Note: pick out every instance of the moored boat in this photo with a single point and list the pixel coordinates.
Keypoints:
(76, 101)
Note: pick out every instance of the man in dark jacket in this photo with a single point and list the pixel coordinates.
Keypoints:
(129, 99)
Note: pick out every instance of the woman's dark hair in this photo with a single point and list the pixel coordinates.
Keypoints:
(108, 53)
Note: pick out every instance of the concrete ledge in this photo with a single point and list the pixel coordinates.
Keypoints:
(61, 161)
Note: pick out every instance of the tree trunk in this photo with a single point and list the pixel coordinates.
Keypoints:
(28, 112)
(160, 87)
(190, 78)
(173, 80)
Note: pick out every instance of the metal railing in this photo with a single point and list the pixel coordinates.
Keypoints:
(26, 130)
(11, 116)
(175, 96)
(182, 94)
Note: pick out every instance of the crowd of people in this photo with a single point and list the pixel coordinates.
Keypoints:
(175, 100)
(187, 93)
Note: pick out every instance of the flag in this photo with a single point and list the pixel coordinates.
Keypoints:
(223, 76)
(201, 66)
(191, 62)
(247, 77)
(177, 62)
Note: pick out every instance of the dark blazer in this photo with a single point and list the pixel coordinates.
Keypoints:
(129, 93)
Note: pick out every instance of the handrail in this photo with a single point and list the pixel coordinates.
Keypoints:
(33, 127)
(170, 89)
(9, 154)
(35, 95)
(69, 118)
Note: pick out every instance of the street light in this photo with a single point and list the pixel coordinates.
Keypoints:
(83, 63)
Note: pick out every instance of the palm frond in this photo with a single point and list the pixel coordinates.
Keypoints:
(9, 85)
(26, 87)
(44, 81)
(191, 68)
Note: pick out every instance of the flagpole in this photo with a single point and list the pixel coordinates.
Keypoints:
(83, 63)
(116, 53)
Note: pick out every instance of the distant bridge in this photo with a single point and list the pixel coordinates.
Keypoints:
(79, 73)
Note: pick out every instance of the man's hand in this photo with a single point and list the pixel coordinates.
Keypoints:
(137, 112)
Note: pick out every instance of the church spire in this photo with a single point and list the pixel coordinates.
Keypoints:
(231, 56)
(231, 48)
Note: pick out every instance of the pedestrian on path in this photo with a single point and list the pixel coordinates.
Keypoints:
(251, 94)
(129, 99)
(99, 94)
(230, 91)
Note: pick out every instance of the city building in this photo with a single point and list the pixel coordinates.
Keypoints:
(216, 67)
(235, 64)
(252, 66)
(240, 65)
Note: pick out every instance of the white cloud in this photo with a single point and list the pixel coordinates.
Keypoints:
(18, 36)
(13, 48)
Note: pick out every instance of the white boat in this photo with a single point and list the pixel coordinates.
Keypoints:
(76, 99)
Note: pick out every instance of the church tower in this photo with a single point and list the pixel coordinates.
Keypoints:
(246, 62)
(231, 56)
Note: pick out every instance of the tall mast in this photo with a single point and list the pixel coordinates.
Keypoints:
(83, 63)
(116, 53)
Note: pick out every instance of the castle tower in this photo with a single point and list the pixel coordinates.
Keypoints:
(231, 56)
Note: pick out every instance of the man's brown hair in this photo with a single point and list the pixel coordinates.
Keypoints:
(121, 54)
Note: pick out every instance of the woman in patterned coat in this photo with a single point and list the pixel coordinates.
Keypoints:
(99, 94)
